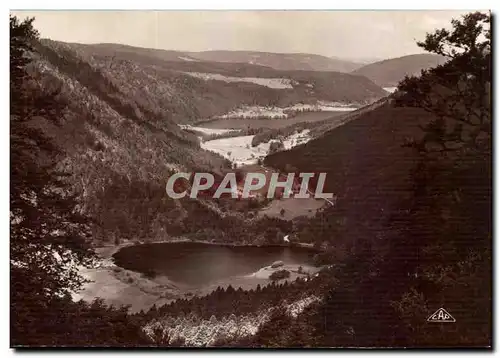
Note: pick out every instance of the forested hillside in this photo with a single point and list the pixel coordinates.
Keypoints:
(117, 150)
(390, 72)
(119, 137)
(188, 91)
(50, 236)
(279, 61)
(94, 136)
(408, 175)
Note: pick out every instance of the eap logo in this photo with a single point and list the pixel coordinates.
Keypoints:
(441, 315)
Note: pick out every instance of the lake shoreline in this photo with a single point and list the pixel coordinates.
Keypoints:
(119, 286)
(107, 252)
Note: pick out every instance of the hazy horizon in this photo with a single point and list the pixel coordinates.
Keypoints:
(353, 35)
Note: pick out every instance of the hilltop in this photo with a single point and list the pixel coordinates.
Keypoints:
(187, 90)
(279, 61)
(388, 73)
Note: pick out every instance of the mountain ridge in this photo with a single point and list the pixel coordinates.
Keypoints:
(121, 138)
(280, 61)
(388, 73)
(189, 91)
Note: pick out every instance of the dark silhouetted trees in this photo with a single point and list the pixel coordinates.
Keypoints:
(49, 237)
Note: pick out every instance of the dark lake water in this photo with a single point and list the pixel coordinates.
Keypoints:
(201, 264)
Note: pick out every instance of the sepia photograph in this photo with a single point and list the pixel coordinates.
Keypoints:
(250, 179)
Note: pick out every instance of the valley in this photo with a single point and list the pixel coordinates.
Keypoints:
(104, 253)
(255, 123)
(142, 288)
(143, 275)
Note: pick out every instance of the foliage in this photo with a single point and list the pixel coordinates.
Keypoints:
(279, 275)
(457, 93)
(276, 146)
(224, 302)
(49, 235)
(63, 323)
(432, 248)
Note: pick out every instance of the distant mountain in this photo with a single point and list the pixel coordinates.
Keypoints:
(186, 89)
(120, 138)
(388, 73)
(279, 61)
(361, 61)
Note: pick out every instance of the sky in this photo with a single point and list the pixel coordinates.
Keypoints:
(355, 35)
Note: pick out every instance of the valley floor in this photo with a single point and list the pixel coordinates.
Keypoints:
(118, 286)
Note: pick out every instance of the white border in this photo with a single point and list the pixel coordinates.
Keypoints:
(183, 5)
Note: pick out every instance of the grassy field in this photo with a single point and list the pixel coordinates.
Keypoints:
(292, 208)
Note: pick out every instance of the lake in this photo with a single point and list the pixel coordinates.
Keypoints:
(199, 264)
(244, 123)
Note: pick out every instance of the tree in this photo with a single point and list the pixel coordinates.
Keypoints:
(438, 250)
(457, 93)
(47, 231)
(451, 242)
(279, 275)
(276, 146)
(49, 237)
